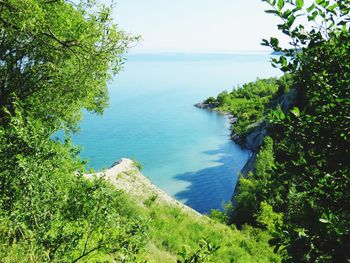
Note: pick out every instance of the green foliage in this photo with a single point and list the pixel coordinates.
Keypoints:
(250, 102)
(327, 20)
(265, 161)
(210, 101)
(256, 187)
(206, 248)
(309, 180)
(268, 218)
(56, 57)
(222, 216)
(219, 216)
(49, 212)
(149, 201)
(312, 140)
(137, 164)
(172, 230)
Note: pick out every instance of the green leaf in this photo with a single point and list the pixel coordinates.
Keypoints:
(324, 221)
(291, 20)
(283, 61)
(312, 7)
(271, 12)
(280, 4)
(286, 14)
(332, 7)
(325, 4)
(300, 3)
(282, 116)
(295, 111)
(313, 15)
(265, 43)
(278, 114)
(274, 41)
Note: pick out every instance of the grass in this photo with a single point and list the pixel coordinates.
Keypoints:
(172, 231)
(171, 235)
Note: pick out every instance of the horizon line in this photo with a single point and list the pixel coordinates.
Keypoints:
(170, 52)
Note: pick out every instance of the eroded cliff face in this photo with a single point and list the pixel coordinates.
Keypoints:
(254, 138)
(252, 141)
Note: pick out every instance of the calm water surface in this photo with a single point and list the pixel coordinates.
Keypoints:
(184, 150)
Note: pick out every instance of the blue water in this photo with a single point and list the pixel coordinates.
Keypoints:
(184, 150)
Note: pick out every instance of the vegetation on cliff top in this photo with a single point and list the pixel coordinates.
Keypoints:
(251, 102)
(300, 184)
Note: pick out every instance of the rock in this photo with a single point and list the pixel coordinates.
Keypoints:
(251, 141)
(238, 139)
(116, 163)
(250, 165)
(288, 100)
(255, 138)
(232, 119)
(202, 105)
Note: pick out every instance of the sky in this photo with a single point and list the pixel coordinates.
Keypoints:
(197, 25)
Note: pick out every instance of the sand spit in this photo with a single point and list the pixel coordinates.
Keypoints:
(124, 175)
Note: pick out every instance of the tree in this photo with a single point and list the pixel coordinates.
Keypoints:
(312, 141)
(255, 188)
(57, 56)
(55, 60)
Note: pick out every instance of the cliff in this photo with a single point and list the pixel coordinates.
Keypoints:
(124, 175)
(252, 141)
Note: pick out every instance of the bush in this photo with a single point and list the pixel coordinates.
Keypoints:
(137, 164)
(49, 211)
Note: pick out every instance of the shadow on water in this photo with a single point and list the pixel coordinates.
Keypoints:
(213, 186)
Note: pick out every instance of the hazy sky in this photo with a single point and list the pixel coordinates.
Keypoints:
(196, 25)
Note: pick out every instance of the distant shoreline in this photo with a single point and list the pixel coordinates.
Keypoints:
(194, 52)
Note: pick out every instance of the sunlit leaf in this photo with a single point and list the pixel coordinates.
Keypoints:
(300, 3)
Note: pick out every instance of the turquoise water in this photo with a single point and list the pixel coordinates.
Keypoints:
(184, 150)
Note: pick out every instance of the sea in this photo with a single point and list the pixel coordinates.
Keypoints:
(185, 151)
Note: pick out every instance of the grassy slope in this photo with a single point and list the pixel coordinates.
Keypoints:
(172, 231)
(173, 228)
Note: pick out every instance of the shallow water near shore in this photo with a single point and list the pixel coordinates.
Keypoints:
(185, 151)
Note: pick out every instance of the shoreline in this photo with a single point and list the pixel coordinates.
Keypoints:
(124, 175)
(210, 107)
(252, 141)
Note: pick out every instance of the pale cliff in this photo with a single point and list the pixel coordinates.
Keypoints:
(125, 175)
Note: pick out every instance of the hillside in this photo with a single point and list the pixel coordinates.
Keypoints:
(175, 228)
